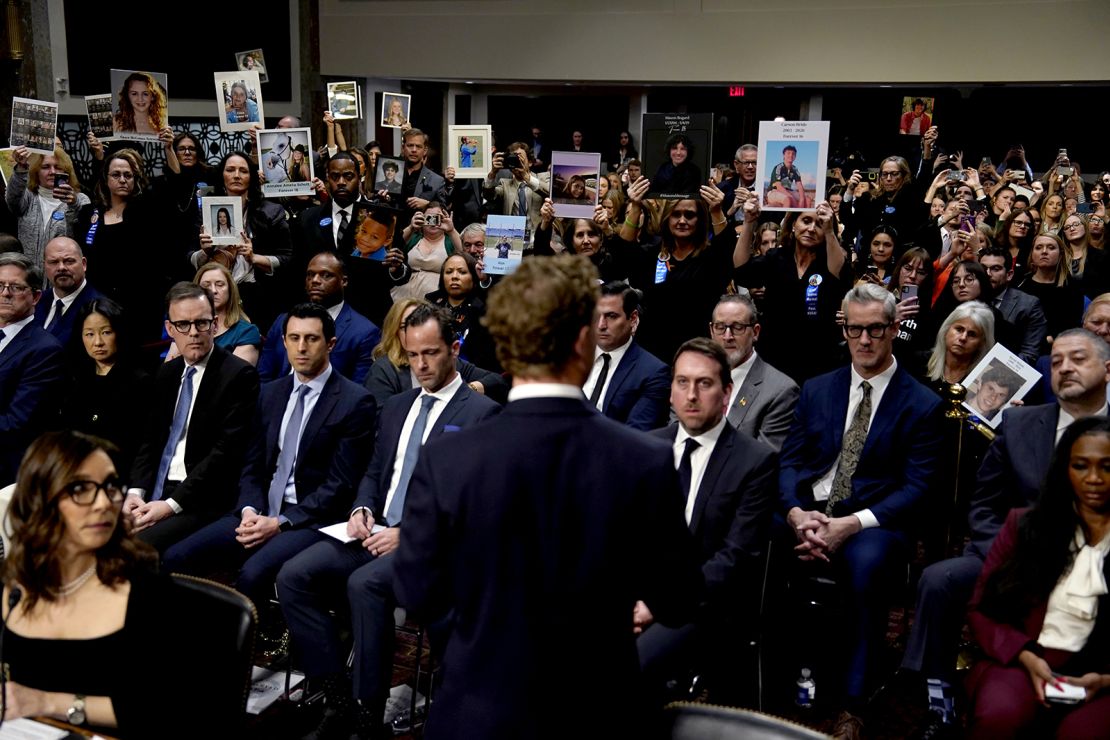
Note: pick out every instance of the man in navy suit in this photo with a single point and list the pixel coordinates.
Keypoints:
(309, 449)
(539, 530)
(186, 471)
(730, 483)
(32, 365)
(855, 469)
(1010, 477)
(330, 227)
(356, 336)
(359, 573)
(65, 270)
(627, 383)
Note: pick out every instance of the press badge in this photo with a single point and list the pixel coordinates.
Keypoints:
(325, 221)
(660, 271)
(811, 295)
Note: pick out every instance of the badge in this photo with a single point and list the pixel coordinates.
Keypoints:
(661, 268)
(889, 209)
(325, 221)
(815, 280)
(94, 218)
(744, 401)
(57, 216)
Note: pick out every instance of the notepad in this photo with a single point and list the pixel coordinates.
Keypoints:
(339, 531)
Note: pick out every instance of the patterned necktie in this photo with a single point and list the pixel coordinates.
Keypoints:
(595, 394)
(177, 428)
(412, 451)
(59, 309)
(685, 471)
(854, 439)
(343, 225)
(287, 460)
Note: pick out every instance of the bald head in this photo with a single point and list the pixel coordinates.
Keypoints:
(289, 122)
(65, 265)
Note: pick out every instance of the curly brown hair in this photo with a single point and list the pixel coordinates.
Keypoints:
(536, 313)
(52, 461)
(125, 119)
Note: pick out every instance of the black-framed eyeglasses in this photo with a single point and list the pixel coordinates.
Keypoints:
(84, 492)
(890, 175)
(183, 327)
(875, 331)
(719, 327)
(186, 149)
(14, 288)
(1023, 224)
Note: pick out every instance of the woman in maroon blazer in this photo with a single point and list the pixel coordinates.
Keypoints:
(1041, 612)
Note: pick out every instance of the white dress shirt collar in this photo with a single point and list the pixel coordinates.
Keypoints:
(334, 310)
(447, 392)
(545, 390)
(739, 375)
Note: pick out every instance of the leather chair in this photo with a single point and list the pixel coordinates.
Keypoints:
(686, 721)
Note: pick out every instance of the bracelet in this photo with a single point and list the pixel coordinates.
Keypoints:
(629, 223)
(722, 221)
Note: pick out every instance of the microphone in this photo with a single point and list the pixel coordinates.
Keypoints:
(14, 596)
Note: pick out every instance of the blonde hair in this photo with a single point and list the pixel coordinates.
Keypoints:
(978, 313)
(234, 308)
(1063, 267)
(390, 346)
(65, 164)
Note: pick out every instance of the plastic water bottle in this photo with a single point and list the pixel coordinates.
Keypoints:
(807, 690)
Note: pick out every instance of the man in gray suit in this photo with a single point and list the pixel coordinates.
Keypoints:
(1021, 310)
(763, 399)
(523, 193)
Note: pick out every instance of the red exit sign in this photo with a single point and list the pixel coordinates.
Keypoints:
(736, 91)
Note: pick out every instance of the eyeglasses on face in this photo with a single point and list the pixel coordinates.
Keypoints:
(1023, 224)
(719, 327)
(875, 331)
(84, 492)
(14, 288)
(183, 327)
(890, 175)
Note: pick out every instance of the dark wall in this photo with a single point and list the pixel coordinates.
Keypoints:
(600, 116)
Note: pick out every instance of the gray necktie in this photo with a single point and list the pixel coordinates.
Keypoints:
(288, 457)
(850, 450)
(521, 201)
(412, 452)
(177, 428)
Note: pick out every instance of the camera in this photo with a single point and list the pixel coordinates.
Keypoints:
(432, 219)
(513, 160)
(872, 175)
(956, 176)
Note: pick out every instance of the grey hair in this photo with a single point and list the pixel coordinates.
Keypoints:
(978, 313)
(474, 228)
(746, 148)
(744, 299)
(32, 272)
(1101, 347)
(870, 293)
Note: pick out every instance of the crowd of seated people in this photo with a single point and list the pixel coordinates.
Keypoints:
(230, 401)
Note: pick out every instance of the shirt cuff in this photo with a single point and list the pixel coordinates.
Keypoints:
(867, 520)
(140, 492)
(274, 262)
(174, 505)
(282, 520)
(245, 509)
(360, 508)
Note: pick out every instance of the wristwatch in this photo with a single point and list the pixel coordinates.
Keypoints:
(75, 715)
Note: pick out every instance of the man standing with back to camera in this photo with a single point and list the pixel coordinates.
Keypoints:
(538, 531)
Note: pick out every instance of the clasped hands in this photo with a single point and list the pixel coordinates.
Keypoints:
(820, 535)
(360, 526)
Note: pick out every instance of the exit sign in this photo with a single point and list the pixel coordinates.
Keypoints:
(736, 91)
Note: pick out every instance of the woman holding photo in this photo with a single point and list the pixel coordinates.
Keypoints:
(592, 238)
(223, 223)
(142, 105)
(45, 197)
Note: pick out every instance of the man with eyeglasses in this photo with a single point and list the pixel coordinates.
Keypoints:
(1022, 311)
(855, 469)
(744, 163)
(763, 399)
(187, 470)
(32, 364)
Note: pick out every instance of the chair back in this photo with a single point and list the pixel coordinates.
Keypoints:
(688, 721)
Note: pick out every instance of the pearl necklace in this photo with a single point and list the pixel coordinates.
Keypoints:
(73, 586)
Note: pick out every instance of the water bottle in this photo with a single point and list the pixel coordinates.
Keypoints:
(807, 690)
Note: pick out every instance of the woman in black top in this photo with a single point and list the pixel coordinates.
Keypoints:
(1050, 281)
(591, 238)
(175, 192)
(897, 203)
(459, 293)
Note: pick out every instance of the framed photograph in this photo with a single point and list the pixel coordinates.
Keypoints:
(238, 100)
(344, 100)
(140, 104)
(390, 174)
(574, 177)
(223, 218)
(792, 162)
(917, 116)
(373, 226)
(675, 149)
(99, 109)
(996, 382)
(7, 165)
(285, 162)
(34, 125)
(252, 61)
(396, 109)
(504, 243)
(468, 150)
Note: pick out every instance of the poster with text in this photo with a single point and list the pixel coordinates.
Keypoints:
(34, 125)
(790, 172)
(676, 149)
(504, 244)
(999, 379)
(140, 104)
(285, 162)
(99, 109)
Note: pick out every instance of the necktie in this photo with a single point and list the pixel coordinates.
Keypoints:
(521, 201)
(850, 450)
(595, 394)
(412, 451)
(343, 224)
(685, 472)
(59, 309)
(288, 457)
(177, 428)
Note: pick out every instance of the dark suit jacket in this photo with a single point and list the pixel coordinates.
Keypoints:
(369, 282)
(1025, 314)
(732, 514)
(1012, 471)
(218, 434)
(538, 530)
(62, 328)
(32, 376)
(465, 409)
(899, 458)
(764, 405)
(639, 393)
(355, 335)
(386, 380)
(331, 457)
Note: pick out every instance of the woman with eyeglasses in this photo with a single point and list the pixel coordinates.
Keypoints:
(78, 638)
(911, 282)
(898, 201)
(592, 238)
(1088, 266)
(1096, 231)
(1050, 281)
(1015, 234)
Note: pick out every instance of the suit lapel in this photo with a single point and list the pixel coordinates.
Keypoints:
(208, 383)
(620, 374)
(748, 393)
(15, 347)
(321, 411)
(713, 469)
(885, 414)
(276, 412)
(838, 401)
(454, 407)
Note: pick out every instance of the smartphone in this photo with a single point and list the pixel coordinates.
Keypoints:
(986, 162)
(432, 219)
(967, 223)
(1065, 171)
(956, 176)
(1069, 694)
(872, 175)
(1062, 153)
(909, 291)
(1020, 176)
(873, 270)
(61, 178)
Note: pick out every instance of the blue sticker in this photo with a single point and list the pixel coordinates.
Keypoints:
(889, 209)
(811, 298)
(660, 271)
(57, 215)
(325, 221)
